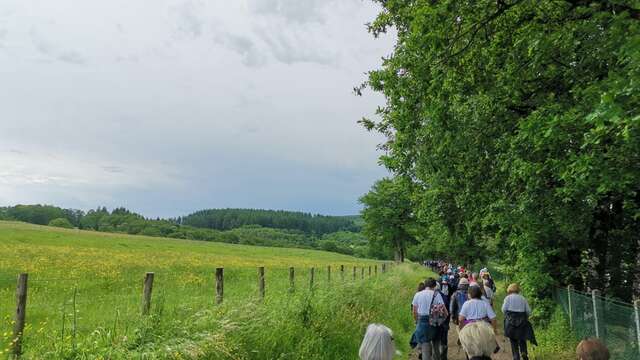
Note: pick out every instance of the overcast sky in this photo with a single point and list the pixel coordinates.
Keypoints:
(170, 106)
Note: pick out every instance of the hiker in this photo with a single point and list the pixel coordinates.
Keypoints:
(446, 292)
(516, 322)
(592, 349)
(475, 309)
(488, 281)
(420, 288)
(478, 341)
(427, 334)
(458, 298)
(377, 343)
(487, 293)
(473, 279)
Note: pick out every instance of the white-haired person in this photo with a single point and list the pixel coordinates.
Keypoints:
(478, 340)
(516, 322)
(377, 343)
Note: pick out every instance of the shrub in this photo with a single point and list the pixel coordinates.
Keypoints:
(61, 223)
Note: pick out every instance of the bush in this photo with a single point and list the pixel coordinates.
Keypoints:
(61, 223)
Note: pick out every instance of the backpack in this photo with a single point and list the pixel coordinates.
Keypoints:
(438, 313)
(461, 297)
(491, 284)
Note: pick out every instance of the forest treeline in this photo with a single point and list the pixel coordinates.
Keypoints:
(236, 226)
(225, 219)
(513, 135)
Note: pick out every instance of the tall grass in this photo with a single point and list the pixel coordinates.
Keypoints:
(327, 322)
(85, 290)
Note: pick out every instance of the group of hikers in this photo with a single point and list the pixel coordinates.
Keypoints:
(465, 299)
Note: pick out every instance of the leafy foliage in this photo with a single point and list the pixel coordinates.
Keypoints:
(518, 124)
(61, 222)
(388, 213)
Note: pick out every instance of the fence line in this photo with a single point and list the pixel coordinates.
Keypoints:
(147, 290)
(592, 315)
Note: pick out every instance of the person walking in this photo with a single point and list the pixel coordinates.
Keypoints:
(487, 293)
(377, 343)
(516, 322)
(478, 341)
(475, 309)
(458, 298)
(446, 292)
(427, 335)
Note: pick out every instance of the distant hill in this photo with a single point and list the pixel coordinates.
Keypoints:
(238, 226)
(227, 219)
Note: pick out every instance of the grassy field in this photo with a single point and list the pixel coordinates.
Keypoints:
(85, 294)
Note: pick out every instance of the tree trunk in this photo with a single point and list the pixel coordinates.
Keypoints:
(399, 255)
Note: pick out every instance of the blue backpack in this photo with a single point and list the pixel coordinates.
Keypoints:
(461, 297)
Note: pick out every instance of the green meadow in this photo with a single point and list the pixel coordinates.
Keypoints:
(85, 291)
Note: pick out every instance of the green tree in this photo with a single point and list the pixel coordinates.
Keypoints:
(388, 215)
(518, 123)
(62, 223)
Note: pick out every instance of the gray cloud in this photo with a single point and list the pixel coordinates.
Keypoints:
(50, 51)
(113, 169)
(291, 10)
(293, 48)
(72, 57)
(189, 20)
(244, 46)
(196, 104)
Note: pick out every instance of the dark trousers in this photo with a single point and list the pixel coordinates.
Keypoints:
(519, 347)
(444, 343)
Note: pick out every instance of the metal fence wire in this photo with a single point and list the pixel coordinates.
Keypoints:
(614, 322)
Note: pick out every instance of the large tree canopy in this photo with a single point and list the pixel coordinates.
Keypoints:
(519, 125)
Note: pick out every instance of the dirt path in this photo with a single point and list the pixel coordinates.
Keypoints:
(456, 352)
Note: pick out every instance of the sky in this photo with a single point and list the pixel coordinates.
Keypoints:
(171, 106)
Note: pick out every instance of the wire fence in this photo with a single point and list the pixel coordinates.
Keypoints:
(64, 311)
(614, 322)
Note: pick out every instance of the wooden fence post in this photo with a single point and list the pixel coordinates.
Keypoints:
(311, 276)
(375, 270)
(594, 296)
(384, 268)
(219, 285)
(292, 275)
(369, 270)
(362, 272)
(328, 273)
(146, 293)
(354, 273)
(21, 310)
(636, 309)
(569, 301)
(261, 281)
(342, 272)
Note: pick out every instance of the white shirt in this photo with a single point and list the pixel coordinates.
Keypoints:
(422, 300)
(488, 293)
(516, 303)
(474, 309)
(486, 299)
